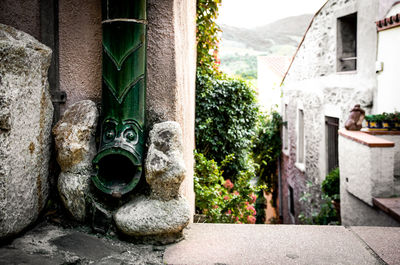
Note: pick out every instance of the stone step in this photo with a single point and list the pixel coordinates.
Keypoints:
(391, 206)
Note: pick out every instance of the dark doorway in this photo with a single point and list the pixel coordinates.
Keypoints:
(332, 127)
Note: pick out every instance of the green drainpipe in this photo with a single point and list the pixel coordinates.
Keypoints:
(118, 163)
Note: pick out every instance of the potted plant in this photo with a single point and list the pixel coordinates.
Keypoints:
(373, 121)
(396, 120)
(386, 119)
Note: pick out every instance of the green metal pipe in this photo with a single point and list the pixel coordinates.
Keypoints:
(118, 163)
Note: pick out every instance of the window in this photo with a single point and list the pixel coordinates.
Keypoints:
(300, 137)
(291, 200)
(285, 129)
(347, 43)
(331, 128)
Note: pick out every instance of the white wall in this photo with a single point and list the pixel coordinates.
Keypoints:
(388, 92)
(268, 87)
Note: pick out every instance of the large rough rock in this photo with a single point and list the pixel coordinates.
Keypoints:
(165, 167)
(75, 145)
(26, 114)
(73, 189)
(74, 137)
(151, 217)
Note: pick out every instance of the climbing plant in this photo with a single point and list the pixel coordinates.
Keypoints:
(226, 116)
(267, 146)
(207, 36)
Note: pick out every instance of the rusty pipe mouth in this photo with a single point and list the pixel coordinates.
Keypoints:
(116, 172)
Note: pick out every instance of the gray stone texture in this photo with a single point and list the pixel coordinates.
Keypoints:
(164, 166)
(74, 137)
(48, 244)
(73, 189)
(75, 145)
(151, 217)
(26, 114)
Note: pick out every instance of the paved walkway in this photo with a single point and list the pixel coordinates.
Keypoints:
(285, 244)
(212, 244)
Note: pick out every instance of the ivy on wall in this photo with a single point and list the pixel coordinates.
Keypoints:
(207, 36)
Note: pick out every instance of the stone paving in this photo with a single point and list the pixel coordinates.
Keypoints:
(52, 245)
(285, 244)
(211, 244)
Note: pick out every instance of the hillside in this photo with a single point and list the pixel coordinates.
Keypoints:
(240, 46)
(286, 31)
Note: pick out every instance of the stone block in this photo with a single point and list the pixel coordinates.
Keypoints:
(26, 114)
(151, 217)
(165, 167)
(75, 144)
(73, 188)
(74, 137)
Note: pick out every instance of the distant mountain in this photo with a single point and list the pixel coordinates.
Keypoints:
(284, 32)
(240, 46)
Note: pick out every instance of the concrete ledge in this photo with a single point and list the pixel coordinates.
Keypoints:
(390, 206)
(365, 138)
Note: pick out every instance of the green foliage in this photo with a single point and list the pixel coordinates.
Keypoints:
(207, 35)
(267, 146)
(325, 212)
(331, 185)
(226, 116)
(226, 120)
(221, 200)
(243, 66)
(260, 207)
(394, 116)
(326, 215)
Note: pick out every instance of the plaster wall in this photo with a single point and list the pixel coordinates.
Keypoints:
(358, 185)
(373, 177)
(364, 215)
(21, 14)
(388, 91)
(80, 51)
(171, 64)
(396, 140)
(313, 82)
(185, 52)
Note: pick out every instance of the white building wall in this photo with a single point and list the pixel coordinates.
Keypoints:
(313, 80)
(268, 87)
(388, 92)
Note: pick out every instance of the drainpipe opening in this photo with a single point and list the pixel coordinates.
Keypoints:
(116, 174)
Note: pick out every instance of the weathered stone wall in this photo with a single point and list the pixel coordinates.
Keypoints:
(313, 85)
(26, 115)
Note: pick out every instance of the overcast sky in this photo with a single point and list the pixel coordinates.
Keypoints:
(252, 13)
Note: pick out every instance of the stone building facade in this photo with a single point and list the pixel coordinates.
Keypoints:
(332, 70)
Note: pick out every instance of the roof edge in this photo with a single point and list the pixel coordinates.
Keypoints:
(388, 22)
(301, 42)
